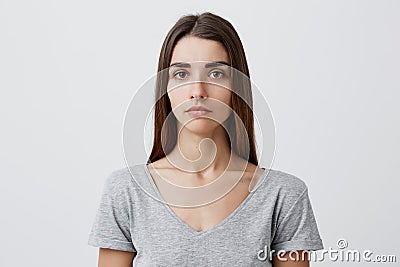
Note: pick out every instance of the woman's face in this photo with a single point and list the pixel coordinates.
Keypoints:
(199, 75)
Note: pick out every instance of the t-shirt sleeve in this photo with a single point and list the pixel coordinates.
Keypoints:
(298, 229)
(111, 227)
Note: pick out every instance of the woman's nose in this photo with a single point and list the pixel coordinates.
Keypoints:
(198, 90)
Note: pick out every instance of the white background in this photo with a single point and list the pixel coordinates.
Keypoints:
(68, 70)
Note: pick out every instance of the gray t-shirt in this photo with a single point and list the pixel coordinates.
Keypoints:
(276, 215)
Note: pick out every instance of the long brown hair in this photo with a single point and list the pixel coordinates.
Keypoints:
(212, 27)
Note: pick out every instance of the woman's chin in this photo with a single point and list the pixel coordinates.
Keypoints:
(203, 126)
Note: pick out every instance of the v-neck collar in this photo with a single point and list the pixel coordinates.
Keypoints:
(215, 227)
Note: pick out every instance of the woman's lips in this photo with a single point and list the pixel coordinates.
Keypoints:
(198, 111)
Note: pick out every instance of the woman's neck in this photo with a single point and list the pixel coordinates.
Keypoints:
(201, 153)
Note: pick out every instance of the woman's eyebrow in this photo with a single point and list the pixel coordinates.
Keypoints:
(180, 65)
(208, 65)
(216, 64)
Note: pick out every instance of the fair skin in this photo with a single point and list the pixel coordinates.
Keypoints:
(193, 49)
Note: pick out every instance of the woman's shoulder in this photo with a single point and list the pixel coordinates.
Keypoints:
(125, 176)
(284, 183)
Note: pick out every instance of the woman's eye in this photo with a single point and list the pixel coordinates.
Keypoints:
(180, 75)
(217, 74)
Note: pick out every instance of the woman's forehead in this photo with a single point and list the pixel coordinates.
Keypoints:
(190, 49)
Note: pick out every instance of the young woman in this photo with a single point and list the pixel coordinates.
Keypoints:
(203, 118)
